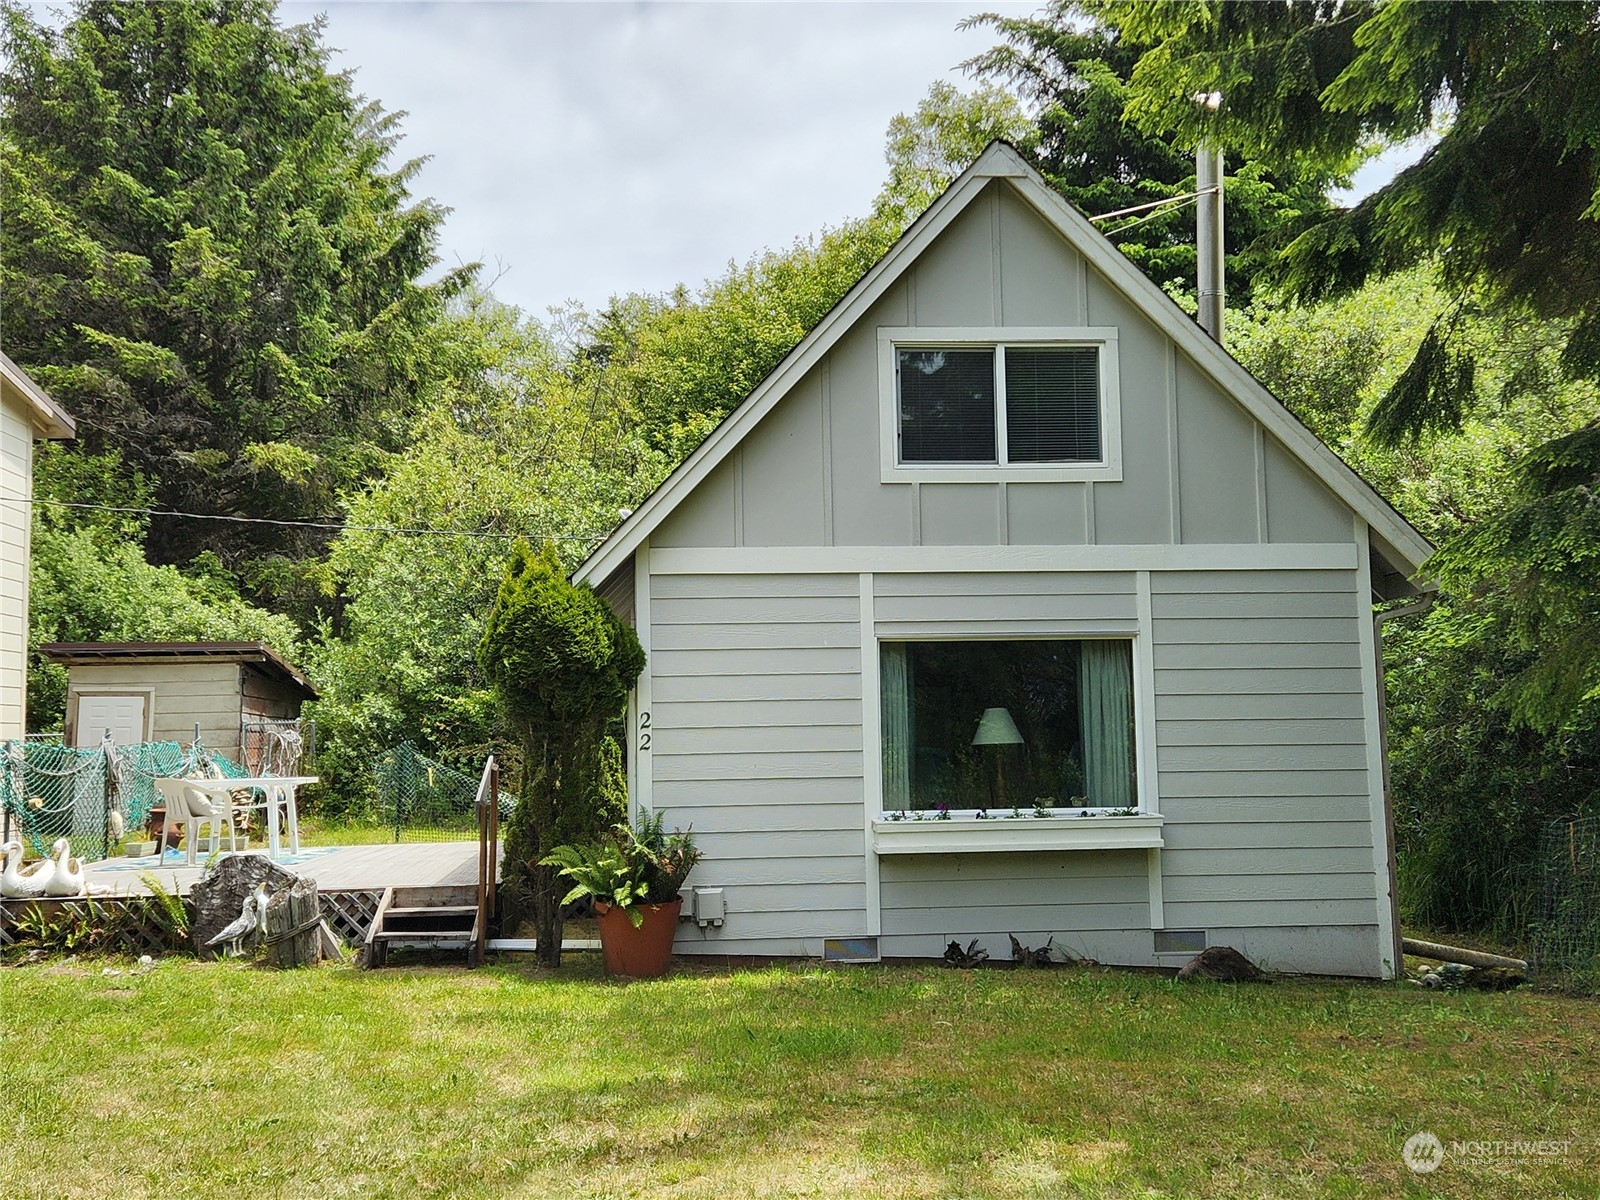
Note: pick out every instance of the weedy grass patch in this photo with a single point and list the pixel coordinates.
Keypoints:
(785, 1081)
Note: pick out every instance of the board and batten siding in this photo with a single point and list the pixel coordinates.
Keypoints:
(183, 695)
(755, 684)
(1264, 784)
(16, 482)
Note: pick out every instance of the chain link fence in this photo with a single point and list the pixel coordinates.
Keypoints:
(425, 801)
(1567, 931)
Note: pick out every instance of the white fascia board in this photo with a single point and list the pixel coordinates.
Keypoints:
(48, 417)
(822, 338)
(1244, 387)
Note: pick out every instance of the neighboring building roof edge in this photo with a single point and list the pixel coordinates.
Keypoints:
(257, 653)
(49, 418)
(1001, 161)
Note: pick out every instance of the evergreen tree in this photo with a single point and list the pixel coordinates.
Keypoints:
(1504, 202)
(561, 664)
(210, 260)
(1076, 70)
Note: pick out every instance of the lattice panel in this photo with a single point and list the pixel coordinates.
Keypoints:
(132, 925)
(350, 914)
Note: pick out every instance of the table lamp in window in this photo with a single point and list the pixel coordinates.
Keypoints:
(996, 728)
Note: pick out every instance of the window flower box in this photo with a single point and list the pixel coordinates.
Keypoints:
(991, 835)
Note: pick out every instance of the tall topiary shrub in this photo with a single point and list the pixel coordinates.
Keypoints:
(561, 664)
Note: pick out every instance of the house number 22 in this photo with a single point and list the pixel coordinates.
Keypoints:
(644, 731)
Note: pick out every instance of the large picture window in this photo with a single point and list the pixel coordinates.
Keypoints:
(996, 725)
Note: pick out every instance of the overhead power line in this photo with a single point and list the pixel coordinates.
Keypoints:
(330, 524)
(1138, 208)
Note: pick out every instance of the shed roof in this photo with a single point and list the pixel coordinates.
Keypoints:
(49, 418)
(1401, 549)
(257, 654)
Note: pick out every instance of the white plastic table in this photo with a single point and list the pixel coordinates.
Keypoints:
(278, 789)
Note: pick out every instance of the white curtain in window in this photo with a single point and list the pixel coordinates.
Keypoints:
(1105, 706)
(895, 683)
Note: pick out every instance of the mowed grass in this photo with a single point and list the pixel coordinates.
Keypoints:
(207, 1078)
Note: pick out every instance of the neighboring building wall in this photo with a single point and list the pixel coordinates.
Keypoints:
(16, 480)
(266, 696)
(183, 695)
(1241, 578)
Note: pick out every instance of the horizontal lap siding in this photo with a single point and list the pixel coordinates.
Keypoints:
(756, 694)
(1261, 741)
(994, 604)
(16, 479)
(929, 901)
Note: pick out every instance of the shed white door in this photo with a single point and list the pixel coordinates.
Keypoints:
(123, 715)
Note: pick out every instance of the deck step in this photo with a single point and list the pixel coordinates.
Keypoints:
(424, 919)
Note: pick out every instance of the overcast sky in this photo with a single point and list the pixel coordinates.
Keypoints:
(594, 149)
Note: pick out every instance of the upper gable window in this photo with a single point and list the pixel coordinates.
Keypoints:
(1036, 404)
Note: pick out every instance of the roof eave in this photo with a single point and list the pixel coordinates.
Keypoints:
(49, 419)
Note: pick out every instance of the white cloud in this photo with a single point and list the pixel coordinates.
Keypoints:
(595, 149)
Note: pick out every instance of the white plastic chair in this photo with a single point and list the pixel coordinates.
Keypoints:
(189, 805)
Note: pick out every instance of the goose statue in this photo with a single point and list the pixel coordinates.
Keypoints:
(68, 879)
(16, 883)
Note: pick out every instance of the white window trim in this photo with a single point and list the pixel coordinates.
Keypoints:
(1109, 468)
(1144, 791)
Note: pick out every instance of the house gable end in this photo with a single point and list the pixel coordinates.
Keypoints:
(1209, 456)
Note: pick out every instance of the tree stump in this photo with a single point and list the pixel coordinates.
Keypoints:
(218, 898)
(293, 935)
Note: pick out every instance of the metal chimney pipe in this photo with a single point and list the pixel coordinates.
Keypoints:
(1208, 238)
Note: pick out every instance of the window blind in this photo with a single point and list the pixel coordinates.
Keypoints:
(947, 406)
(1053, 404)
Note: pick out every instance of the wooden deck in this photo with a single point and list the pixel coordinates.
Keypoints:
(338, 868)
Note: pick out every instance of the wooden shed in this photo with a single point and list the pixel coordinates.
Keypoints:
(162, 691)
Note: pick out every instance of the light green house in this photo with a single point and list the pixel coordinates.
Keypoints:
(1007, 533)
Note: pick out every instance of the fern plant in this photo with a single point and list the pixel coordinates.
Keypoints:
(629, 867)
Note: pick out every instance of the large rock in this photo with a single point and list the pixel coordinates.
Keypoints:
(219, 897)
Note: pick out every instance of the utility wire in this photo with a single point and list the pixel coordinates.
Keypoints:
(1128, 212)
(417, 531)
(1121, 229)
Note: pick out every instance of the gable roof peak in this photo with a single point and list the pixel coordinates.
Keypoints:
(1000, 161)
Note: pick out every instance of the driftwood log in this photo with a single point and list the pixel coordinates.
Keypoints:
(1222, 963)
(1467, 958)
(293, 934)
(218, 898)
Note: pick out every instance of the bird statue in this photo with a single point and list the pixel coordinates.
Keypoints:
(116, 826)
(252, 917)
(16, 883)
(68, 879)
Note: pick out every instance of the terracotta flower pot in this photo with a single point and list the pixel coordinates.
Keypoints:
(643, 952)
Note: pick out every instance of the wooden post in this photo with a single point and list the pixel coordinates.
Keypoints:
(293, 932)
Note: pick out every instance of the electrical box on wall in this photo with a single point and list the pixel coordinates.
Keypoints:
(708, 907)
(686, 913)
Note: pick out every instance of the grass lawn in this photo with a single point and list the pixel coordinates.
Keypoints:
(198, 1078)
